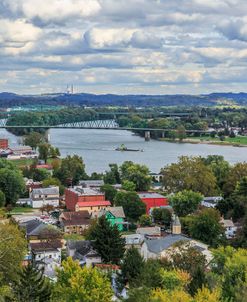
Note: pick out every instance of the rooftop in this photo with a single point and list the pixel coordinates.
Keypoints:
(93, 203)
(81, 191)
(46, 246)
(91, 183)
(46, 191)
(150, 195)
(115, 211)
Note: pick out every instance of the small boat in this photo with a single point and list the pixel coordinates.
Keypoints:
(124, 148)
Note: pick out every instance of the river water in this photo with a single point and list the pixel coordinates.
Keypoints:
(97, 148)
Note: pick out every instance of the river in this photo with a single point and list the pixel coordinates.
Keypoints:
(97, 148)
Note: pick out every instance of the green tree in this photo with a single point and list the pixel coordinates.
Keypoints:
(131, 267)
(237, 172)
(190, 173)
(112, 177)
(34, 139)
(2, 199)
(12, 250)
(32, 286)
(110, 192)
(131, 203)
(11, 184)
(40, 174)
(185, 202)
(72, 170)
(206, 227)
(181, 133)
(107, 241)
(145, 220)
(54, 152)
(44, 151)
(76, 283)
(128, 185)
(162, 216)
(138, 174)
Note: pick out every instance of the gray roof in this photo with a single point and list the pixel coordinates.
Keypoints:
(150, 195)
(46, 191)
(176, 221)
(82, 248)
(91, 183)
(115, 211)
(33, 227)
(158, 245)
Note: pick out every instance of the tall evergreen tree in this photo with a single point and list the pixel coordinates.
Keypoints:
(32, 286)
(107, 241)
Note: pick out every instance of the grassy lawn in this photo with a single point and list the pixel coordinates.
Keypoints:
(239, 140)
(27, 161)
(73, 237)
(20, 210)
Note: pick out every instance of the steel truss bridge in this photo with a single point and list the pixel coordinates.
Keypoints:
(110, 124)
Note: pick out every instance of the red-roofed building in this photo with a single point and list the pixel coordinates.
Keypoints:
(85, 199)
(153, 200)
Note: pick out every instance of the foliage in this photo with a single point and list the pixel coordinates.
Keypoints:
(145, 220)
(150, 276)
(190, 173)
(162, 216)
(110, 192)
(75, 283)
(131, 267)
(40, 174)
(52, 181)
(131, 203)
(160, 295)
(44, 151)
(32, 286)
(2, 199)
(138, 174)
(34, 139)
(180, 133)
(12, 251)
(128, 185)
(205, 294)
(72, 170)
(185, 202)
(112, 177)
(107, 241)
(206, 226)
(173, 279)
(50, 233)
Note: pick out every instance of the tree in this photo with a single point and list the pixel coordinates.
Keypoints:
(162, 216)
(206, 227)
(32, 286)
(112, 177)
(131, 203)
(138, 174)
(72, 170)
(107, 241)
(40, 174)
(190, 173)
(110, 192)
(159, 295)
(76, 283)
(131, 267)
(145, 220)
(44, 151)
(181, 133)
(12, 250)
(54, 152)
(2, 199)
(205, 294)
(185, 202)
(34, 139)
(237, 172)
(12, 184)
(128, 185)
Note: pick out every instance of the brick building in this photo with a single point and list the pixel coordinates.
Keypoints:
(153, 200)
(85, 199)
(4, 143)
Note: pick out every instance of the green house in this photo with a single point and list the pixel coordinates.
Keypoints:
(115, 215)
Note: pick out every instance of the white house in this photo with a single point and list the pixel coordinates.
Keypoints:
(45, 196)
(211, 202)
(230, 228)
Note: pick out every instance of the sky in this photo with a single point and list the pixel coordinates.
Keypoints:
(123, 46)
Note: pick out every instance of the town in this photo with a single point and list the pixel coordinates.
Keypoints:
(134, 234)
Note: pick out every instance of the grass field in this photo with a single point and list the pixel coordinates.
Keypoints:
(239, 140)
(20, 210)
(73, 237)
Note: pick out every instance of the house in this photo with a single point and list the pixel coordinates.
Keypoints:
(20, 150)
(153, 200)
(31, 184)
(47, 256)
(33, 229)
(45, 196)
(4, 143)
(115, 215)
(94, 184)
(83, 251)
(229, 227)
(85, 199)
(156, 177)
(211, 202)
(75, 222)
(133, 240)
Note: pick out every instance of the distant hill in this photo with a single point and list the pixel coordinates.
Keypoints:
(85, 99)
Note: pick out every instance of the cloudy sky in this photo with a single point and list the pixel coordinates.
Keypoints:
(123, 46)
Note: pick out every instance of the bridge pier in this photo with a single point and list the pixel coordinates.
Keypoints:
(163, 134)
(47, 135)
(147, 136)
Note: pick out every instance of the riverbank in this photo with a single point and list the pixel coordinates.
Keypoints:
(240, 141)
